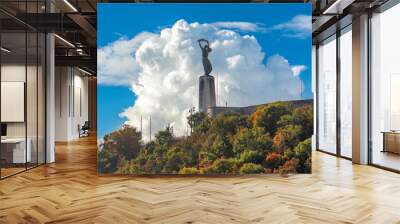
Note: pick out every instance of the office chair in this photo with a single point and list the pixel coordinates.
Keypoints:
(84, 130)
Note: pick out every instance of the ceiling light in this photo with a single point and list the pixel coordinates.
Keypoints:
(84, 71)
(5, 50)
(79, 51)
(70, 5)
(337, 7)
(64, 40)
(333, 6)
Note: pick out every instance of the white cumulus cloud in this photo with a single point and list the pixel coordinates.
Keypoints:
(299, 26)
(242, 26)
(298, 69)
(163, 70)
(116, 62)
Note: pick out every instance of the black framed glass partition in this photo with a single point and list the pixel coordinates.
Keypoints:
(22, 77)
(326, 91)
(385, 89)
(13, 90)
(334, 93)
(383, 71)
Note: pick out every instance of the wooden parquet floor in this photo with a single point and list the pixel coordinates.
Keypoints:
(70, 191)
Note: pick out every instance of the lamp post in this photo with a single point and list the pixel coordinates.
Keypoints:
(191, 111)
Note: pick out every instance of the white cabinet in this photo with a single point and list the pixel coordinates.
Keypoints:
(19, 154)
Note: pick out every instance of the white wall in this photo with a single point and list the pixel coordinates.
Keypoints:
(16, 73)
(33, 126)
(71, 102)
(12, 73)
(61, 103)
(80, 103)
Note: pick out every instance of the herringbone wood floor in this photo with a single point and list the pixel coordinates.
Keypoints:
(70, 191)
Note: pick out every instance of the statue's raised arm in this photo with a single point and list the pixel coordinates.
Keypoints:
(206, 43)
(199, 41)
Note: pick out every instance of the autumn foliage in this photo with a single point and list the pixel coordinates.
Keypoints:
(274, 138)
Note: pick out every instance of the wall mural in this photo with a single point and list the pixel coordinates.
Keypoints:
(204, 88)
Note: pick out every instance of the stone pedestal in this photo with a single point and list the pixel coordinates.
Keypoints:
(206, 92)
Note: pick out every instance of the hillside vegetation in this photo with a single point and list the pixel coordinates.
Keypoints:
(275, 138)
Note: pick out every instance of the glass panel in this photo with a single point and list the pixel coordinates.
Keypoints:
(13, 86)
(41, 99)
(22, 88)
(385, 84)
(2, 159)
(346, 93)
(32, 88)
(31, 98)
(327, 95)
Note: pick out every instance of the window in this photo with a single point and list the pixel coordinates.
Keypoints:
(385, 89)
(346, 92)
(327, 95)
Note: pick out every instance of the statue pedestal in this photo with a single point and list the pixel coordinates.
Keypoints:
(206, 92)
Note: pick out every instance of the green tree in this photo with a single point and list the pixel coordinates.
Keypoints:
(303, 117)
(303, 153)
(120, 145)
(227, 124)
(288, 136)
(165, 137)
(199, 122)
(129, 167)
(267, 117)
(252, 156)
(218, 145)
(153, 156)
(206, 159)
(174, 162)
(189, 170)
(285, 120)
(183, 154)
(190, 149)
(107, 161)
(153, 166)
(294, 128)
(288, 154)
(125, 142)
(251, 168)
(223, 166)
(254, 139)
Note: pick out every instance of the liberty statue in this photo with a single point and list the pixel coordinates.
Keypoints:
(206, 81)
(205, 50)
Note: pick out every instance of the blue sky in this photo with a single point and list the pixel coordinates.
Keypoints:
(128, 20)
